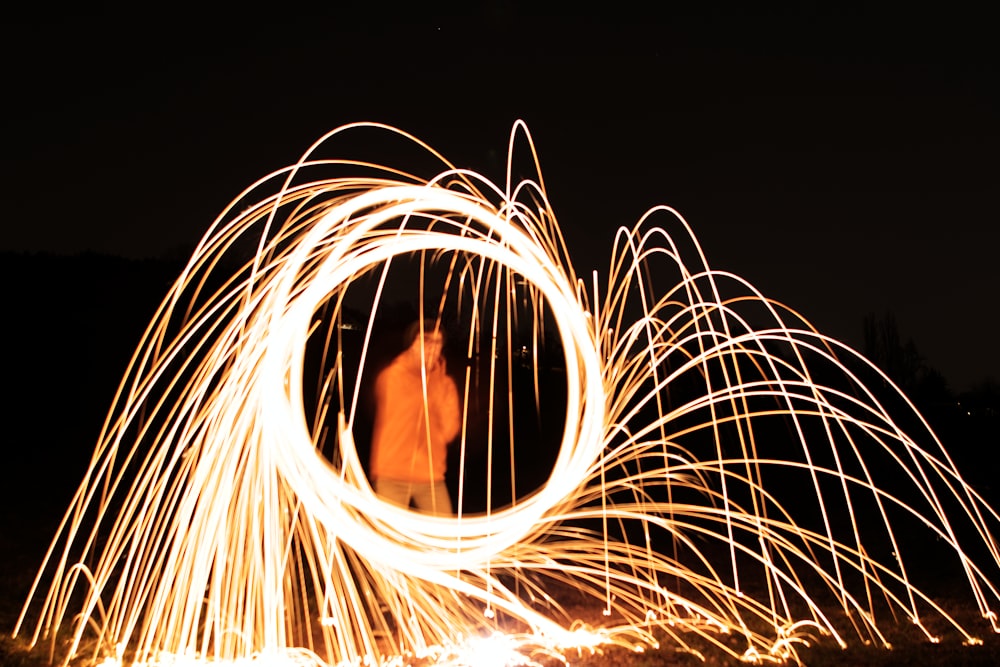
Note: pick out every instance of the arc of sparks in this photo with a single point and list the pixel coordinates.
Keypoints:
(722, 468)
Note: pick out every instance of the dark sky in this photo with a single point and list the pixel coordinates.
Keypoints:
(843, 163)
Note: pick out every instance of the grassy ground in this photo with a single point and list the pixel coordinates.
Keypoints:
(909, 647)
(23, 538)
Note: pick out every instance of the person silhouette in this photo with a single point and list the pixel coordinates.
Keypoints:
(417, 415)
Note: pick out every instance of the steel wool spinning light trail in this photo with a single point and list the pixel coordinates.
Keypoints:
(722, 477)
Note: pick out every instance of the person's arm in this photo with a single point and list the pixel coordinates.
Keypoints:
(380, 405)
(448, 411)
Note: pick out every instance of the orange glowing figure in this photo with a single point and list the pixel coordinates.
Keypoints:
(417, 415)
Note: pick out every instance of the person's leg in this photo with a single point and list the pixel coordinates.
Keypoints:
(432, 498)
(394, 491)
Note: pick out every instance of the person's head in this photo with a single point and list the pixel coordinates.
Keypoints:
(429, 334)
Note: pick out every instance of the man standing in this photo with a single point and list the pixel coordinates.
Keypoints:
(416, 415)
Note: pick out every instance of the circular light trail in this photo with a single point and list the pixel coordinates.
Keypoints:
(722, 471)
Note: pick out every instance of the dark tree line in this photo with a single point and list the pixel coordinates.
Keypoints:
(967, 423)
(901, 361)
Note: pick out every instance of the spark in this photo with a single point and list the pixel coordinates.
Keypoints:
(727, 478)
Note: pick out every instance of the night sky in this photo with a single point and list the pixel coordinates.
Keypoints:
(843, 163)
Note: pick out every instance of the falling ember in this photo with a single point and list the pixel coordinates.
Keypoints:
(722, 476)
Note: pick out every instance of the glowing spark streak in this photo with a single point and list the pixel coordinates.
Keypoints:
(208, 512)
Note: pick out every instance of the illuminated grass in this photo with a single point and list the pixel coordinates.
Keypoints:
(727, 480)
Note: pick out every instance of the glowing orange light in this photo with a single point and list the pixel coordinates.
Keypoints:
(210, 528)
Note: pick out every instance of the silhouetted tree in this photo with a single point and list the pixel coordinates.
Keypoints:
(901, 361)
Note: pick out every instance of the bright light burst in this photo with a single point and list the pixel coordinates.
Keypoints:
(726, 477)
